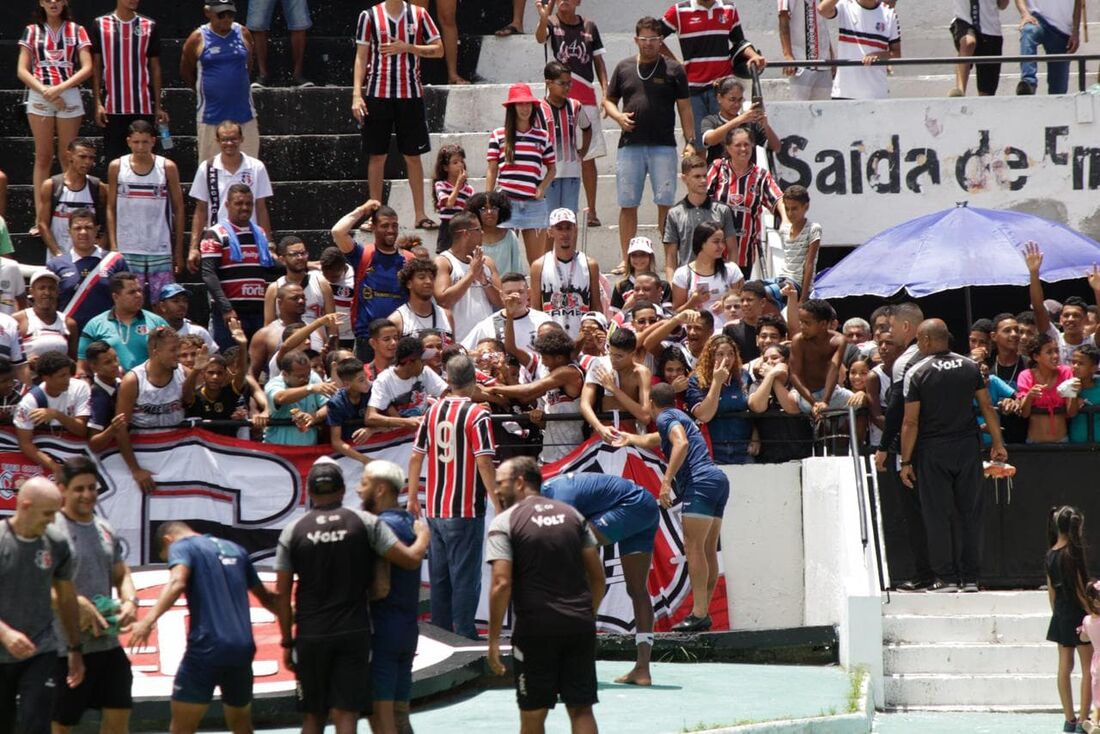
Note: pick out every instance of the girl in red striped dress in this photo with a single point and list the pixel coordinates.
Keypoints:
(55, 58)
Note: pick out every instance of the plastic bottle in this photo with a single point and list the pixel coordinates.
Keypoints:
(165, 137)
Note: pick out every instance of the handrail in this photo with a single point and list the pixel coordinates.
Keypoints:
(1081, 60)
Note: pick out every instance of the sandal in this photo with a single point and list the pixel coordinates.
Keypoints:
(426, 223)
(594, 221)
(508, 30)
(620, 269)
(33, 232)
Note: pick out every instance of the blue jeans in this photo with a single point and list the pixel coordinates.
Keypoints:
(563, 193)
(455, 573)
(1053, 41)
(634, 162)
(703, 104)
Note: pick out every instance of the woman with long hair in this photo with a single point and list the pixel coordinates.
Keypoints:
(748, 189)
(1067, 577)
(55, 58)
(521, 165)
(1037, 390)
(493, 209)
(731, 99)
(704, 282)
(715, 389)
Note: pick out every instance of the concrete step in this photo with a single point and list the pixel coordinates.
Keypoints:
(1012, 690)
(987, 628)
(984, 602)
(972, 658)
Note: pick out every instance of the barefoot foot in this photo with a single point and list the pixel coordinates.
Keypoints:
(635, 677)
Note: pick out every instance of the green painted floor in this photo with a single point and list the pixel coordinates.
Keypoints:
(954, 723)
(684, 697)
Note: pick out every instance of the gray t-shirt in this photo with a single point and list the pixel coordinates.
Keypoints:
(96, 549)
(682, 219)
(28, 568)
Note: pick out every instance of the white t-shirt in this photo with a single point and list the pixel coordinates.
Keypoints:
(689, 280)
(988, 15)
(1059, 13)
(860, 32)
(493, 328)
(1065, 349)
(11, 347)
(192, 329)
(74, 402)
(409, 397)
(11, 285)
(809, 32)
(252, 173)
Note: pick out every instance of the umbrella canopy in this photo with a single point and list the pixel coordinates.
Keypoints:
(957, 248)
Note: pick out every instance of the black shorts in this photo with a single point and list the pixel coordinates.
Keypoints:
(107, 682)
(404, 117)
(30, 680)
(989, 75)
(334, 673)
(549, 666)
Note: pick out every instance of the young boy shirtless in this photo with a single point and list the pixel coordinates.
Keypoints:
(816, 356)
(617, 383)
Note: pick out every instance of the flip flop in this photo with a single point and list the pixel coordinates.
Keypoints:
(426, 223)
(594, 221)
(508, 30)
(33, 232)
(620, 269)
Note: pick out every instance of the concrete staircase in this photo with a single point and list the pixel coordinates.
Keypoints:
(984, 651)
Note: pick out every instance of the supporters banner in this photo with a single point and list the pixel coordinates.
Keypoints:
(894, 160)
(247, 492)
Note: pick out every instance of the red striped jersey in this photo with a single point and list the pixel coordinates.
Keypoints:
(533, 153)
(126, 47)
(54, 54)
(710, 38)
(454, 432)
(244, 282)
(577, 46)
(397, 76)
(443, 191)
(564, 123)
(747, 196)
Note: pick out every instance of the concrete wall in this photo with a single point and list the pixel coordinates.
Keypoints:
(762, 546)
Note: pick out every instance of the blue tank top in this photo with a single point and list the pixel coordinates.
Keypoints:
(697, 464)
(223, 88)
(592, 494)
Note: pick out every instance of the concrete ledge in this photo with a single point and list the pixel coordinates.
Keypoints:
(794, 646)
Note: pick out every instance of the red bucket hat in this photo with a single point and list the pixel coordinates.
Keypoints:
(518, 94)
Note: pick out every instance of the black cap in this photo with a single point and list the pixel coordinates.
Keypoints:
(325, 478)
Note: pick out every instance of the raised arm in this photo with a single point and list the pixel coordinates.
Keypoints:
(341, 231)
(1033, 256)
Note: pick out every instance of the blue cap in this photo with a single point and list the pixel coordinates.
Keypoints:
(171, 290)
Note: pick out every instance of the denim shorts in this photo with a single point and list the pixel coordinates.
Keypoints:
(528, 214)
(296, 13)
(72, 104)
(661, 162)
(563, 193)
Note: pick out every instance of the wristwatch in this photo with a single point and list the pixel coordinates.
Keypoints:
(907, 463)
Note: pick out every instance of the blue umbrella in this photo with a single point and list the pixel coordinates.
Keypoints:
(957, 248)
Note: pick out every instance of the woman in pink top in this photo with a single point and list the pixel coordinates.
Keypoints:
(1037, 390)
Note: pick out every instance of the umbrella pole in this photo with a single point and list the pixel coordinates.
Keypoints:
(969, 308)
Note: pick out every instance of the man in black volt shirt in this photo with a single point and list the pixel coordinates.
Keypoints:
(331, 550)
(940, 434)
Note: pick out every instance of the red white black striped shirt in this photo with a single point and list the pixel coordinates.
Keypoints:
(532, 155)
(454, 432)
(54, 55)
(563, 123)
(126, 47)
(244, 282)
(709, 38)
(396, 76)
(747, 196)
(443, 190)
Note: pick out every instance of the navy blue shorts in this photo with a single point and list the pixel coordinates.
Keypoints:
(196, 679)
(633, 526)
(391, 668)
(706, 497)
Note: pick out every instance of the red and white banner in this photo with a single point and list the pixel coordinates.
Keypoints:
(247, 492)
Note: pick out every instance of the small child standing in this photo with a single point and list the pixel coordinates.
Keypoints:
(450, 190)
(1067, 577)
(1086, 392)
(565, 120)
(801, 240)
(1090, 627)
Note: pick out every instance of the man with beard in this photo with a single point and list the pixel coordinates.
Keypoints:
(294, 255)
(567, 282)
(174, 303)
(421, 313)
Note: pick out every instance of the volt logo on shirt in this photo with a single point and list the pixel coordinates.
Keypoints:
(949, 364)
(326, 536)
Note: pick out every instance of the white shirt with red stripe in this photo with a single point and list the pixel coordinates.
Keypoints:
(564, 124)
(533, 154)
(54, 53)
(453, 434)
(710, 38)
(396, 76)
(862, 31)
(125, 47)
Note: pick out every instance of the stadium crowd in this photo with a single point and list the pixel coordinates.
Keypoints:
(688, 350)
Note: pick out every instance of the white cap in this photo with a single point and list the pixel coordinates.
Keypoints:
(596, 316)
(44, 273)
(562, 215)
(640, 244)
